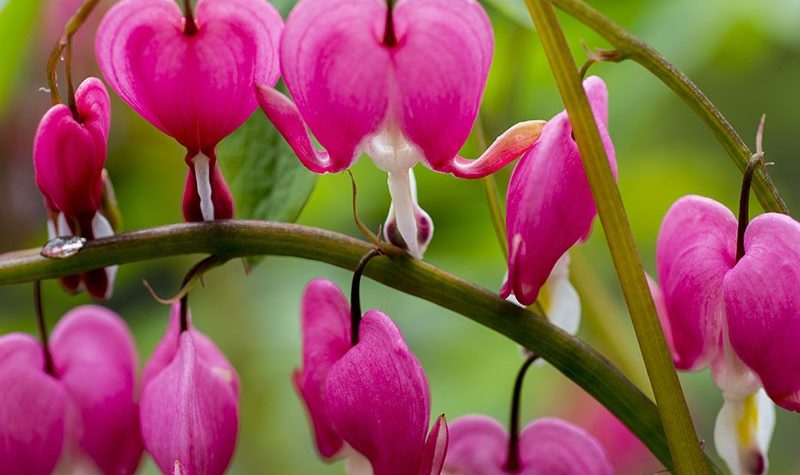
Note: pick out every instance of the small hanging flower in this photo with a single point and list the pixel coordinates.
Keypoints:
(401, 83)
(549, 202)
(193, 79)
(69, 153)
(190, 402)
(369, 401)
(75, 410)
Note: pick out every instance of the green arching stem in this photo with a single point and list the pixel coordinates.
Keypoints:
(684, 446)
(628, 46)
(72, 26)
(231, 238)
(355, 294)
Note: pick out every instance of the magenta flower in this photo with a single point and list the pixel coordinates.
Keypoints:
(370, 401)
(83, 413)
(401, 83)
(736, 315)
(192, 80)
(479, 446)
(189, 405)
(549, 202)
(69, 154)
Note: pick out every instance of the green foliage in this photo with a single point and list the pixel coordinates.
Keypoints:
(17, 19)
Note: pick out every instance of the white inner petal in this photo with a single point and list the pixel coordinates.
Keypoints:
(743, 431)
(390, 151)
(202, 175)
(403, 202)
(356, 464)
(564, 310)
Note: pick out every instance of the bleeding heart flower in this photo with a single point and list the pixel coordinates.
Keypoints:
(401, 83)
(69, 154)
(549, 202)
(189, 405)
(369, 401)
(739, 316)
(84, 413)
(479, 446)
(193, 80)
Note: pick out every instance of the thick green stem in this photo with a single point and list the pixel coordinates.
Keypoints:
(685, 448)
(630, 47)
(230, 239)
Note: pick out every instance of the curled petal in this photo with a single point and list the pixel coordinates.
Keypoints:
(95, 359)
(69, 154)
(549, 202)
(696, 247)
(508, 146)
(325, 322)
(743, 432)
(378, 398)
(189, 412)
(336, 69)
(196, 88)
(762, 302)
(33, 412)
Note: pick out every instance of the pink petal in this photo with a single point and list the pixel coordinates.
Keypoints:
(696, 247)
(441, 63)
(95, 359)
(478, 446)
(189, 410)
(325, 322)
(549, 202)
(552, 446)
(337, 71)
(507, 147)
(196, 88)
(378, 398)
(663, 316)
(69, 155)
(762, 301)
(435, 451)
(33, 409)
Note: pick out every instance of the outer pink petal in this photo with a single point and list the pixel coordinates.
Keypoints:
(441, 64)
(33, 409)
(696, 247)
(167, 349)
(196, 88)
(762, 300)
(478, 446)
(338, 73)
(378, 398)
(556, 447)
(189, 414)
(549, 202)
(68, 155)
(95, 359)
(325, 317)
(663, 316)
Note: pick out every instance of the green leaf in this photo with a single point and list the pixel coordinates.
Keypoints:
(514, 9)
(267, 180)
(17, 19)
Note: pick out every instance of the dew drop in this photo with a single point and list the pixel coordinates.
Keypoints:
(63, 247)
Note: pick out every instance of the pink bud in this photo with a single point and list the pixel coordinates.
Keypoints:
(189, 404)
(550, 205)
(196, 86)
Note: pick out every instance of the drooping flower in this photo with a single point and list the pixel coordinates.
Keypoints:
(69, 154)
(479, 446)
(401, 83)
(549, 203)
(736, 314)
(369, 401)
(193, 79)
(189, 404)
(83, 414)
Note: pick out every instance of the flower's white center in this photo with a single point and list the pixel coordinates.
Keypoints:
(743, 432)
(202, 175)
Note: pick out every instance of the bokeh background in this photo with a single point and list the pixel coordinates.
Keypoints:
(744, 54)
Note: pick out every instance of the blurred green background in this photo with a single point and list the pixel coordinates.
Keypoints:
(745, 55)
